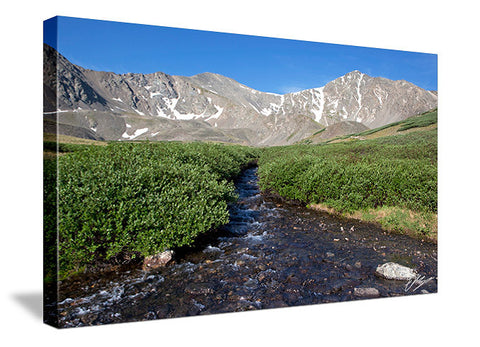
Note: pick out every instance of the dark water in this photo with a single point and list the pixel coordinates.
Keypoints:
(271, 255)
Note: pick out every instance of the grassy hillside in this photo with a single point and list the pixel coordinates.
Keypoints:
(347, 131)
(421, 122)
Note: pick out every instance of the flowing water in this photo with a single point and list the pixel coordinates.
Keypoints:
(272, 254)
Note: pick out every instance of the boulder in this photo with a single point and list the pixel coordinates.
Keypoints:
(366, 292)
(157, 260)
(394, 271)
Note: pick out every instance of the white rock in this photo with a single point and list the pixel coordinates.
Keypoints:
(394, 271)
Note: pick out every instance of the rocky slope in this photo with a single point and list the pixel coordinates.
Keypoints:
(213, 107)
(335, 130)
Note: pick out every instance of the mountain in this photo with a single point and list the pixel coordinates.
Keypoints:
(208, 106)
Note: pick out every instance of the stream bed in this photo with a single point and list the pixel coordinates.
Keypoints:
(271, 254)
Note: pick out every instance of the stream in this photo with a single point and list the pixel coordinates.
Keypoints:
(271, 254)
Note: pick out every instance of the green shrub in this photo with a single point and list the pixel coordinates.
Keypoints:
(63, 147)
(142, 197)
(393, 171)
(50, 218)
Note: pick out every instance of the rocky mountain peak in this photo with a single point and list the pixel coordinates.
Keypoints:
(218, 107)
(354, 73)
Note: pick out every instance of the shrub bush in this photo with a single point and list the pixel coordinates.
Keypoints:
(398, 170)
(142, 197)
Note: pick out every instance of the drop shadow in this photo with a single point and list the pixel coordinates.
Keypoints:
(32, 302)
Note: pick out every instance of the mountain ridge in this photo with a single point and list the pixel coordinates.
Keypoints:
(222, 107)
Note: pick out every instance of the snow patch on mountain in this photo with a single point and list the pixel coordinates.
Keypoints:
(139, 112)
(217, 114)
(318, 101)
(137, 133)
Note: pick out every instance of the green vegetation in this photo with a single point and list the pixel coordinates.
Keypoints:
(319, 132)
(367, 175)
(423, 120)
(138, 197)
(50, 218)
(63, 147)
(423, 224)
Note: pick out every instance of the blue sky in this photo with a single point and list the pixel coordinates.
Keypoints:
(267, 64)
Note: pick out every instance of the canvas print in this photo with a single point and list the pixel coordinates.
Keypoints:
(189, 172)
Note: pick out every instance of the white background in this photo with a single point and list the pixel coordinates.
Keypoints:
(451, 31)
